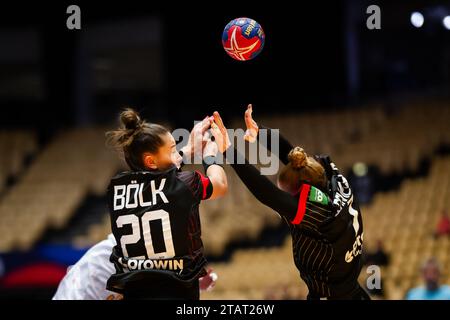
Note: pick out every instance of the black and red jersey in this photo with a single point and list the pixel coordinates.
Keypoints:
(327, 236)
(326, 225)
(155, 221)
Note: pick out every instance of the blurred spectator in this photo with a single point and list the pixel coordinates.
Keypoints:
(432, 290)
(443, 226)
(379, 257)
(362, 181)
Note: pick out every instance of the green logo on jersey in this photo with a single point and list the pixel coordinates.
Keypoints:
(318, 196)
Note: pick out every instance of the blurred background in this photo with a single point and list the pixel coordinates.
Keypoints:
(377, 101)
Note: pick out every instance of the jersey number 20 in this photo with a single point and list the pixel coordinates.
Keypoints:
(136, 235)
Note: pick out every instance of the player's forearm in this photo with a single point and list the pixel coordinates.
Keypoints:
(284, 145)
(262, 188)
(218, 178)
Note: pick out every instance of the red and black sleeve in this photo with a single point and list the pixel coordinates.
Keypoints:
(200, 186)
(205, 187)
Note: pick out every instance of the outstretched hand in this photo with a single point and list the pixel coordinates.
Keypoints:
(210, 148)
(219, 132)
(196, 141)
(252, 127)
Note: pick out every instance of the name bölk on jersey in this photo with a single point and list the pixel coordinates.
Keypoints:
(130, 196)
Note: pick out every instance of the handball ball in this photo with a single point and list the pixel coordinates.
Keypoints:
(243, 39)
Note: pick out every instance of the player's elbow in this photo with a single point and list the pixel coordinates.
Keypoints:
(219, 181)
(220, 189)
(224, 186)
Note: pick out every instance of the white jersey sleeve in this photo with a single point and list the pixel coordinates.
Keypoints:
(86, 280)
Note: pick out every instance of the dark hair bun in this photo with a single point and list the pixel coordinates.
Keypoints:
(297, 157)
(130, 119)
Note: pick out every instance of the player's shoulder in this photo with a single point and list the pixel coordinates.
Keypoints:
(142, 175)
(184, 175)
(198, 184)
(123, 177)
(187, 178)
(327, 164)
(323, 159)
(314, 205)
(318, 197)
(190, 177)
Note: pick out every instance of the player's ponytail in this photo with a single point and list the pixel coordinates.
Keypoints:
(301, 169)
(130, 119)
(298, 158)
(134, 137)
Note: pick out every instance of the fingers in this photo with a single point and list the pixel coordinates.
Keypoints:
(197, 126)
(222, 129)
(202, 125)
(197, 136)
(248, 112)
(212, 124)
(219, 137)
(219, 132)
(217, 125)
(248, 116)
(205, 124)
(218, 120)
(214, 128)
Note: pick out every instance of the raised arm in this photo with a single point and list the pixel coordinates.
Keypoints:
(252, 134)
(260, 186)
(200, 146)
(215, 172)
(263, 189)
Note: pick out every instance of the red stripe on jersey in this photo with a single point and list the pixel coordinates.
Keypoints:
(205, 183)
(304, 191)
